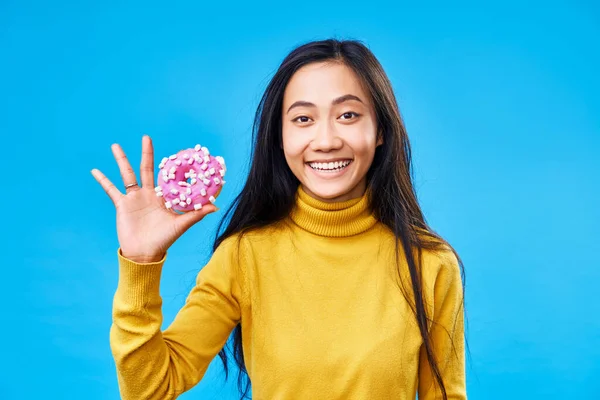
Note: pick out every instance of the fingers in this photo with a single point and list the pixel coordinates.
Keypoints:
(124, 167)
(147, 164)
(108, 186)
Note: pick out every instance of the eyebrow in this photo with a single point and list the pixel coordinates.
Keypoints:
(339, 100)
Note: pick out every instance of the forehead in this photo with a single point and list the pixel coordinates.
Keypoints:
(322, 82)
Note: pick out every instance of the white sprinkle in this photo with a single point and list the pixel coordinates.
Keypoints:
(203, 192)
(216, 180)
(177, 162)
(189, 200)
(205, 151)
(190, 161)
(161, 165)
(176, 201)
(183, 183)
(159, 194)
(198, 158)
(172, 176)
(164, 160)
(197, 147)
(193, 181)
(168, 204)
(197, 206)
(206, 182)
(211, 171)
(186, 156)
(173, 156)
(174, 191)
(182, 197)
(206, 159)
(204, 167)
(172, 170)
(188, 191)
(157, 189)
(222, 172)
(211, 199)
(223, 182)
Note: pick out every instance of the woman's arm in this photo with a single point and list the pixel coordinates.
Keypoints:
(161, 365)
(447, 336)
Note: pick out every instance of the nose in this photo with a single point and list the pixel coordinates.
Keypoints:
(326, 139)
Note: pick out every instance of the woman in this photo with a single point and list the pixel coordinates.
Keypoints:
(326, 271)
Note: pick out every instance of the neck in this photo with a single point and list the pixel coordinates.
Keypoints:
(332, 219)
(354, 193)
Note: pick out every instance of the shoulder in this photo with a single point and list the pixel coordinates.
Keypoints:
(261, 237)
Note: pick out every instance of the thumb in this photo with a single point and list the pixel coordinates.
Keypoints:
(185, 221)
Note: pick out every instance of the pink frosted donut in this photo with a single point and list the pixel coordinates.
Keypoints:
(190, 179)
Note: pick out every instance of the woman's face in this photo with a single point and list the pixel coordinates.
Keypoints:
(329, 131)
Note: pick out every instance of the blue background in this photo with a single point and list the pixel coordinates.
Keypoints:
(501, 104)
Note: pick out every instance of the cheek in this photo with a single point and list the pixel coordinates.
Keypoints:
(293, 145)
(362, 144)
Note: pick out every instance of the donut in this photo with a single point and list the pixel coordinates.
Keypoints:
(190, 179)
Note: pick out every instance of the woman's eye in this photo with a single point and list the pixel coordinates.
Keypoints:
(349, 115)
(302, 119)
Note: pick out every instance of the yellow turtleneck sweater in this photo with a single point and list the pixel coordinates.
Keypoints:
(321, 309)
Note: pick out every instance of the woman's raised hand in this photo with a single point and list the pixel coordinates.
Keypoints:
(145, 227)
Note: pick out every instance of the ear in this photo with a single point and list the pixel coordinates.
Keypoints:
(379, 139)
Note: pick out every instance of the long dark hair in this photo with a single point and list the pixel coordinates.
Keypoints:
(390, 178)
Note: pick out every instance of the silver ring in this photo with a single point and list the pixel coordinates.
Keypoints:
(130, 185)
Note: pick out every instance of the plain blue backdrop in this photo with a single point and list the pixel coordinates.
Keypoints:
(501, 103)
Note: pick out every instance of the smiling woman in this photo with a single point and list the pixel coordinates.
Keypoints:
(324, 268)
(329, 131)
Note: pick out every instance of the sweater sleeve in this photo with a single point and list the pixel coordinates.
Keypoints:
(447, 335)
(161, 365)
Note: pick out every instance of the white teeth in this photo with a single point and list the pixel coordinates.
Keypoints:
(331, 166)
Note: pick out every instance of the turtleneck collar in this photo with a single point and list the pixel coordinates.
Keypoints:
(346, 218)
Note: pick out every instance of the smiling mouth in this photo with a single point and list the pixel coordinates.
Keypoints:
(335, 166)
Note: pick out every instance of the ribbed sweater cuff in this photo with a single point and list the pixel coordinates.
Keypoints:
(138, 282)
